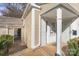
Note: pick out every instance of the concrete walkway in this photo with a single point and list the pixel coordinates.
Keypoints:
(48, 50)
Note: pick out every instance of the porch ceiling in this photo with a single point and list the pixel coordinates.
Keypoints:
(68, 16)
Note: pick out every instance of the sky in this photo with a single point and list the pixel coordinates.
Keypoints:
(2, 7)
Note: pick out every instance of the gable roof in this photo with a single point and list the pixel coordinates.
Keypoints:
(10, 22)
(69, 15)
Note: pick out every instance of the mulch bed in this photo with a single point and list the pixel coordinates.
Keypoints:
(65, 50)
(17, 47)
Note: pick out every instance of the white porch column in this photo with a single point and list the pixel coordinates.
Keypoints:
(35, 36)
(59, 31)
(48, 34)
(33, 28)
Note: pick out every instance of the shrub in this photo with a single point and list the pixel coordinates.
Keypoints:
(73, 47)
(5, 43)
(8, 38)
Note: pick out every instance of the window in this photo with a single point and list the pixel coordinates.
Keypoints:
(74, 32)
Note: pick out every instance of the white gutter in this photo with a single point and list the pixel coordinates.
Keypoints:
(25, 10)
(34, 5)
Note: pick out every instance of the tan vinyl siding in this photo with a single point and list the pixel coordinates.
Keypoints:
(27, 30)
(4, 31)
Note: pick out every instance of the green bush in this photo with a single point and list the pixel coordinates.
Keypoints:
(5, 43)
(8, 38)
(73, 47)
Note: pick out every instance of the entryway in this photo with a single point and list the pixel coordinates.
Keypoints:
(17, 45)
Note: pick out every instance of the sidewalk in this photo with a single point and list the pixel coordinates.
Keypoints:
(48, 50)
